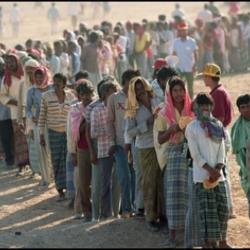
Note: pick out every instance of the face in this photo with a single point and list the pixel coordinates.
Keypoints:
(140, 92)
(59, 84)
(178, 94)
(245, 111)
(110, 92)
(182, 33)
(85, 98)
(206, 109)
(11, 63)
(39, 78)
(207, 80)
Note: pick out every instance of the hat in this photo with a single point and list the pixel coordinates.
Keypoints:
(159, 63)
(182, 26)
(212, 70)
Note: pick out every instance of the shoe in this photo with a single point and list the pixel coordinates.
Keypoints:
(169, 243)
(78, 216)
(153, 226)
(87, 219)
(61, 197)
(140, 214)
(126, 215)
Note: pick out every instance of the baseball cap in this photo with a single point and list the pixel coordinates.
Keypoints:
(159, 63)
(211, 69)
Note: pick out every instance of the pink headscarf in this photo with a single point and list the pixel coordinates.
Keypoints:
(45, 73)
(77, 115)
(168, 110)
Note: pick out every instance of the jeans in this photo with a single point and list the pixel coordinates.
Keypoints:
(123, 173)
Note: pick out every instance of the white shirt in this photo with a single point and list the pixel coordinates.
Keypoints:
(122, 41)
(185, 51)
(178, 12)
(203, 150)
(53, 14)
(205, 16)
(64, 63)
(74, 8)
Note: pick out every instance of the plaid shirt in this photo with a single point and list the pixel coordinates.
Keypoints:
(99, 130)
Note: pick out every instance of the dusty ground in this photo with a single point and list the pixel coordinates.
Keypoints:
(41, 221)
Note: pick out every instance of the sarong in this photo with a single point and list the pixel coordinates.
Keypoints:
(176, 186)
(213, 211)
(58, 148)
(151, 183)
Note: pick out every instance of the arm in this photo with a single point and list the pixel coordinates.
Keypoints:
(71, 145)
(42, 116)
(111, 118)
(164, 136)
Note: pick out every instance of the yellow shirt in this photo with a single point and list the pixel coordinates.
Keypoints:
(140, 43)
(161, 125)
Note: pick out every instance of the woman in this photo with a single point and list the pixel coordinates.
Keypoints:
(177, 104)
(55, 105)
(39, 157)
(11, 95)
(140, 108)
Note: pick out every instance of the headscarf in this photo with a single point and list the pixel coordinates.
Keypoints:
(131, 103)
(211, 126)
(19, 72)
(168, 111)
(33, 64)
(46, 76)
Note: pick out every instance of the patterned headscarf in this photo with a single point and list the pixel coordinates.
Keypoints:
(19, 72)
(132, 103)
(33, 64)
(211, 126)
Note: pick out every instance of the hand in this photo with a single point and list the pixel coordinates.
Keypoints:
(21, 128)
(42, 140)
(127, 148)
(74, 159)
(12, 102)
(150, 120)
(93, 158)
(214, 174)
(112, 150)
(174, 128)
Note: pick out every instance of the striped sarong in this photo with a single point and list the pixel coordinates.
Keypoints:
(192, 236)
(213, 211)
(21, 146)
(151, 183)
(175, 186)
(58, 148)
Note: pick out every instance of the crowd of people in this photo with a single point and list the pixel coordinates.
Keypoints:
(109, 115)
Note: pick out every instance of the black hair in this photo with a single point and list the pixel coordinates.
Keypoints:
(176, 80)
(165, 73)
(85, 87)
(93, 37)
(243, 99)
(215, 79)
(20, 47)
(204, 98)
(81, 75)
(128, 75)
(61, 77)
(105, 87)
(104, 80)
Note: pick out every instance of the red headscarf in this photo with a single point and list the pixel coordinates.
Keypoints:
(46, 76)
(7, 73)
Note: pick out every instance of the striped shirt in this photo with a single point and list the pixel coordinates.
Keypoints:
(99, 130)
(53, 113)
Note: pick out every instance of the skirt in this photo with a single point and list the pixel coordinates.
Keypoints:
(21, 146)
(58, 148)
(175, 186)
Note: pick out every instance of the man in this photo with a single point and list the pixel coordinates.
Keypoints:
(74, 9)
(185, 48)
(206, 142)
(223, 111)
(116, 112)
(55, 64)
(55, 106)
(160, 83)
(15, 19)
(89, 58)
(178, 12)
(53, 16)
(240, 135)
(130, 34)
(74, 60)
(205, 15)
